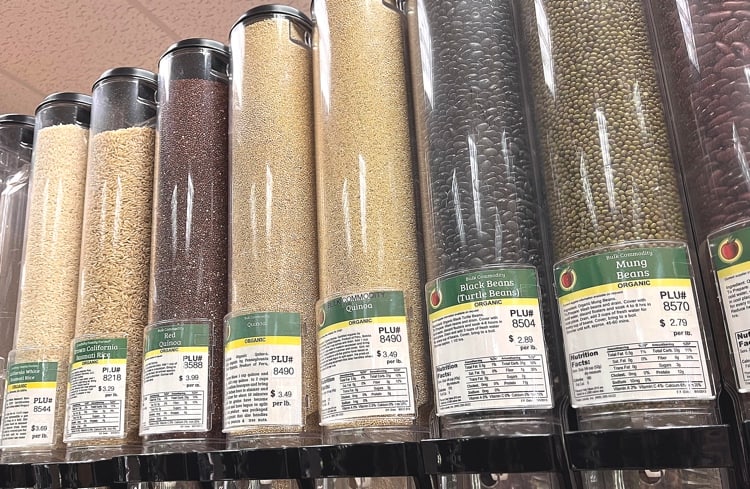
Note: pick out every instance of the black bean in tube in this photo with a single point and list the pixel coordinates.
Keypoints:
(473, 137)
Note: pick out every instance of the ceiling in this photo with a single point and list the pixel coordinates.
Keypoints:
(64, 45)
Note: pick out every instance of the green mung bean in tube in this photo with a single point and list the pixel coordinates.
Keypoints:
(270, 330)
(370, 283)
(615, 208)
(609, 171)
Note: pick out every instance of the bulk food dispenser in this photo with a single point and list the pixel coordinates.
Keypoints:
(704, 58)
(16, 144)
(370, 316)
(182, 359)
(270, 363)
(106, 354)
(34, 413)
(638, 354)
(487, 284)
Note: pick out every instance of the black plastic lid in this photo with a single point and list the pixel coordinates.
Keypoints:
(78, 98)
(16, 475)
(146, 75)
(198, 42)
(274, 9)
(25, 120)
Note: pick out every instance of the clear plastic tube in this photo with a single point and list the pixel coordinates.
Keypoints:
(482, 225)
(188, 287)
(103, 411)
(270, 332)
(705, 57)
(16, 144)
(34, 413)
(630, 313)
(367, 227)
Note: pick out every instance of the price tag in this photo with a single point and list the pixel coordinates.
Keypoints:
(97, 389)
(175, 392)
(632, 331)
(30, 401)
(263, 370)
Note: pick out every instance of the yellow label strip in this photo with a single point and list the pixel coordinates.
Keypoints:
(614, 287)
(99, 361)
(734, 270)
(396, 320)
(178, 349)
(263, 340)
(32, 385)
(511, 302)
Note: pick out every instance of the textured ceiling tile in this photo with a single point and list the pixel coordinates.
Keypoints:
(198, 18)
(67, 45)
(195, 18)
(15, 97)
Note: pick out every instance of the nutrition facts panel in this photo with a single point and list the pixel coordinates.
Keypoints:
(385, 389)
(492, 378)
(669, 366)
(96, 416)
(374, 388)
(176, 408)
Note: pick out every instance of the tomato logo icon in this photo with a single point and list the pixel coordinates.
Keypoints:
(730, 249)
(568, 279)
(436, 298)
(321, 316)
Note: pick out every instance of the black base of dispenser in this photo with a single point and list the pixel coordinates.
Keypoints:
(496, 455)
(647, 449)
(364, 460)
(13, 476)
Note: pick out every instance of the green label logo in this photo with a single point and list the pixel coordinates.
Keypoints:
(568, 279)
(436, 298)
(177, 336)
(361, 306)
(100, 349)
(23, 373)
(730, 250)
(624, 265)
(261, 324)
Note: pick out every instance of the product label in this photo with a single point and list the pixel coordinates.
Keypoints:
(263, 370)
(30, 399)
(631, 327)
(175, 391)
(487, 341)
(96, 390)
(365, 369)
(732, 268)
